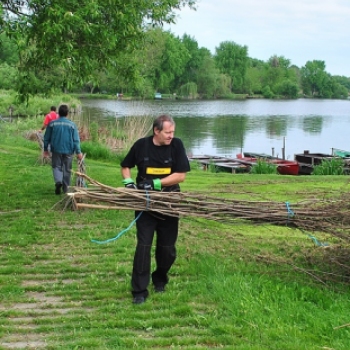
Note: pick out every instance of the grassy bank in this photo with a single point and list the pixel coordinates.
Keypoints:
(58, 290)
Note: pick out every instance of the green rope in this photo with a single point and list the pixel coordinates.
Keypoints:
(290, 213)
(125, 230)
(119, 234)
(316, 241)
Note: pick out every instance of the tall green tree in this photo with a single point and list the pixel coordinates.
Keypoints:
(162, 60)
(275, 71)
(314, 78)
(172, 65)
(280, 77)
(194, 61)
(232, 59)
(254, 76)
(211, 83)
(76, 34)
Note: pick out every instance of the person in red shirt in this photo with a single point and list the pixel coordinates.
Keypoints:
(49, 118)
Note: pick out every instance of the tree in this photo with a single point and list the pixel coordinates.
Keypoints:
(77, 34)
(279, 62)
(232, 59)
(281, 78)
(254, 76)
(188, 90)
(194, 61)
(162, 60)
(173, 62)
(206, 79)
(252, 83)
(342, 80)
(275, 71)
(313, 77)
(339, 91)
(8, 50)
(7, 76)
(212, 83)
(287, 88)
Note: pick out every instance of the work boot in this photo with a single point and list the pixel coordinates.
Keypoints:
(140, 299)
(58, 188)
(159, 288)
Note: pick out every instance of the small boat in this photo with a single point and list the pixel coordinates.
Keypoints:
(308, 160)
(256, 155)
(340, 153)
(224, 163)
(284, 167)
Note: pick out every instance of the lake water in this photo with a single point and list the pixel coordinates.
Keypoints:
(225, 128)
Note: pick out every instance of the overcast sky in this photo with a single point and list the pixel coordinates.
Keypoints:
(299, 30)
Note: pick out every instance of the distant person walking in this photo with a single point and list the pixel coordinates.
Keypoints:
(49, 118)
(63, 136)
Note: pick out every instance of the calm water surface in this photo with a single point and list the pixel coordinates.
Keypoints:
(226, 128)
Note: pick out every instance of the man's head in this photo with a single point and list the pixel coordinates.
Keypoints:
(163, 130)
(53, 108)
(63, 110)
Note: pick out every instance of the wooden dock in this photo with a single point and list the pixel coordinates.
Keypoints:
(231, 164)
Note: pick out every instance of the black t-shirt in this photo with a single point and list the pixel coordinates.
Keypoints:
(157, 161)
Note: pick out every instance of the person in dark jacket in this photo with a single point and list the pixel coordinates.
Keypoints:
(63, 136)
(162, 164)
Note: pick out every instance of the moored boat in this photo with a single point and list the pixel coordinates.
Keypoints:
(223, 163)
(284, 167)
(308, 160)
(340, 153)
(243, 163)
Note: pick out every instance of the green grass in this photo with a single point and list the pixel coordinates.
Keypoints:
(232, 286)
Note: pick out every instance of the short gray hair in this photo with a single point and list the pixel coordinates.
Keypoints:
(159, 121)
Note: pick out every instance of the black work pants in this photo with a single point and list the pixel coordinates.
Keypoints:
(166, 229)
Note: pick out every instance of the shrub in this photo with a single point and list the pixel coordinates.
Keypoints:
(263, 167)
(266, 92)
(95, 150)
(334, 166)
(37, 105)
(94, 131)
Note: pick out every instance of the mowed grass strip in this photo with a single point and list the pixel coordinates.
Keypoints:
(233, 286)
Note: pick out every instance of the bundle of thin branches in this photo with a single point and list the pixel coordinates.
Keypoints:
(40, 140)
(327, 266)
(80, 181)
(330, 216)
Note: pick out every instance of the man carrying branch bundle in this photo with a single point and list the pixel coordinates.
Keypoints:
(162, 164)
